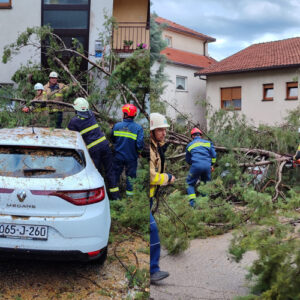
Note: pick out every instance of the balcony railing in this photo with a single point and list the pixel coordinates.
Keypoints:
(137, 32)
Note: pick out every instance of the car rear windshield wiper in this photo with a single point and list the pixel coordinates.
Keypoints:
(35, 170)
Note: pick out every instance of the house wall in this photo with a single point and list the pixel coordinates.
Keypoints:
(134, 13)
(261, 112)
(130, 11)
(97, 20)
(185, 43)
(14, 21)
(187, 102)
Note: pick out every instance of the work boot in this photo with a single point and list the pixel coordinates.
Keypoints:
(157, 276)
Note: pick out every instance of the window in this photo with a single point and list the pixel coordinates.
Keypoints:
(231, 98)
(70, 20)
(5, 4)
(268, 92)
(168, 40)
(292, 90)
(181, 83)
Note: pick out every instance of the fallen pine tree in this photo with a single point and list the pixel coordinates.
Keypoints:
(264, 213)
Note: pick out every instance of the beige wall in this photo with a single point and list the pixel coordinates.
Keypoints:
(12, 22)
(261, 112)
(130, 10)
(185, 43)
(187, 102)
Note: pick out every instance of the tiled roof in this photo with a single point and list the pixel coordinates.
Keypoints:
(188, 58)
(179, 28)
(264, 56)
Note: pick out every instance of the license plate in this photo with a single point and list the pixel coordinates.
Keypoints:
(34, 232)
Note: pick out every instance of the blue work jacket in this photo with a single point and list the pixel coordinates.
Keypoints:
(199, 151)
(89, 129)
(128, 139)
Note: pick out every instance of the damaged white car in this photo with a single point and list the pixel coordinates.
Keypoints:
(53, 201)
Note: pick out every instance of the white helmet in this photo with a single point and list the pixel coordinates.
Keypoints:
(299, 130)
(38, 86)
(158, 121)
(53, 75)
(80, 104)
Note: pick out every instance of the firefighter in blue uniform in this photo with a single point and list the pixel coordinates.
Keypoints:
(128, 139)
(85, 123)
(200, 154)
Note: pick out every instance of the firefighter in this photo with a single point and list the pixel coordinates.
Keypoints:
(85, 123)
(54, 91)
(39, 89)
(158, 125)
(201, 155)
(128, 139)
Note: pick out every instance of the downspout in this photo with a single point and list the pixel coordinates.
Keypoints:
(204, 47)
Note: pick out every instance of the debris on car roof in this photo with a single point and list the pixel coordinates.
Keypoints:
(38, 136)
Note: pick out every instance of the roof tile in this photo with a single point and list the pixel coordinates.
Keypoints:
(176, 27)
(263, 56)
(188, 58)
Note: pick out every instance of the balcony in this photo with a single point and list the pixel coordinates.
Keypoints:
(138, 32)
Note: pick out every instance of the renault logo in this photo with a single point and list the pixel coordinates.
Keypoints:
(21, 196)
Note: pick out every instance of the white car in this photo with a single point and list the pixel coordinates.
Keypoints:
(53, 201)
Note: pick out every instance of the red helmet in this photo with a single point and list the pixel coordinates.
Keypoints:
(195, 130)
(129, 109)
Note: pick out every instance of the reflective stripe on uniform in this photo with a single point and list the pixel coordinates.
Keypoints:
(198, 145)
(112, 190)
(192, 196)
(129, 193)
(162, 179)
(96, 142)
(156, 179)
(152, 191)
(89, 128)
(299, 148)
(58, 94)
(125, 134)
(213, 160)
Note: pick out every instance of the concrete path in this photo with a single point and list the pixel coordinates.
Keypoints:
(204, 271)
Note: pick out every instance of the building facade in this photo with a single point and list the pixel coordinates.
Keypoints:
(80, 19)
(260, 81)
(186, 52)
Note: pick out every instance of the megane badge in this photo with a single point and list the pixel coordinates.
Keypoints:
(21, 196)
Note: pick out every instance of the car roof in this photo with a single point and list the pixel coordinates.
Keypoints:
(44, 137)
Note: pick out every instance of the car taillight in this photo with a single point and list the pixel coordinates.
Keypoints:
(94, 253)
(83, 197)
(6, 191)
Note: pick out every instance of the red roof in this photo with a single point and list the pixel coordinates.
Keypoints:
(264, 56)
(179, 28)
(187, 58)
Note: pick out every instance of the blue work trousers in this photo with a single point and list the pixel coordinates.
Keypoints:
(154, 245)
(197, 171)
(102, 156)
(130, 171)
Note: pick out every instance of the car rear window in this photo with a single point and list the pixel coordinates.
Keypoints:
(38, 162)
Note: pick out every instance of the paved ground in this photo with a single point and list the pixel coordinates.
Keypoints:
(204, 271)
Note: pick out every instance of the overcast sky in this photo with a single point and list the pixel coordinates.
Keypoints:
(235, 24)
